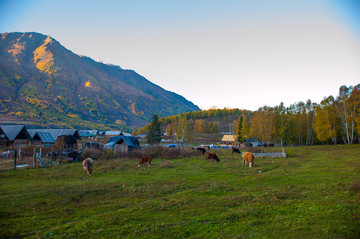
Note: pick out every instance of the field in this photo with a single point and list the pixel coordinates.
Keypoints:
(314, 193)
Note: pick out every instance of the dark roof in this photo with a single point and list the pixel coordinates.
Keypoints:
(88, 132)
(109, 133)
(116, 133)
(55, 133)
(129, 140)
(44, 137)
(13, 132)
(114, 139)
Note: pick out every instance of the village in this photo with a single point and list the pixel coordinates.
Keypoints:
(28, 147)
(56, 145)
(20, 143)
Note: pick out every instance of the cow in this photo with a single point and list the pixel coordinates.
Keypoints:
(209, 155)
(145, 159)
(201, 150)
(88, 165)
(235, 150)
(248, 157)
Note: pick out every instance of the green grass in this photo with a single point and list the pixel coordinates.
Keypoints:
(312, 194)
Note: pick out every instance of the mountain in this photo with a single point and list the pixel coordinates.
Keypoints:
(40, 80)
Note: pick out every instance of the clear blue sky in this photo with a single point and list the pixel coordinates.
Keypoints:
(233, 53)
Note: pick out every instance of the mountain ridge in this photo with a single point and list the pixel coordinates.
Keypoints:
(42, 80)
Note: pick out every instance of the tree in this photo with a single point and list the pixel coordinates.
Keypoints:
(238, 129)
(154, 133)
(199, 126)
(170, 128)
(183, 132)
(263, 124)
(245, 129)
(347, 106)
(325, 122)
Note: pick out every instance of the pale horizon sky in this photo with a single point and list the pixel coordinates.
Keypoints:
(231, 53)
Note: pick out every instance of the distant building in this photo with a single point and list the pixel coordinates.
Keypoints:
(229, 140)
(126, 144)
(116, 133)
(89, 133)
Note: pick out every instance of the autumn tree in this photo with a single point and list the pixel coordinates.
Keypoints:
(263, 124)
(326, 122)
(183, 132)
(171, 128)
(199, 126)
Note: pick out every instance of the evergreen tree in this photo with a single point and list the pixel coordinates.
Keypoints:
(239, 137)
(154, 133)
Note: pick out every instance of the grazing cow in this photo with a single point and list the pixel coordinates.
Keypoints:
(211, 156)
(145, 159)
(235, 150)
(248, 157)
(87, 165)
(201, 150)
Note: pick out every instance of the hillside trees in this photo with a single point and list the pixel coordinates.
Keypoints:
(171, 128)
(200, 126)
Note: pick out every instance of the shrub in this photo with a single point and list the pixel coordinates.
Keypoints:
(92, 153)
(171, 153)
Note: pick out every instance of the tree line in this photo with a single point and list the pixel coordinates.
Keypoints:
(334, 120)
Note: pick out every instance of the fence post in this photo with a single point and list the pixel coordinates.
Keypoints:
(35, 157)
(52, 152)
(61, 155)
(15, 160)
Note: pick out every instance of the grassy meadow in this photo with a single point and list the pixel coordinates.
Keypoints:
(314, 193)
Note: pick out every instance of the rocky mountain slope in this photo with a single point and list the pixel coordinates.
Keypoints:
(40, 80)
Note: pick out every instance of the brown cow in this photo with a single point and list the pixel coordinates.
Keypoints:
(248, 157)
(145, 159)
(87, 165)
(211, 156)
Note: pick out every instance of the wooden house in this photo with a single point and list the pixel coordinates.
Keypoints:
(229, 140)
(14, 134)
(43, 138)
(126, 144)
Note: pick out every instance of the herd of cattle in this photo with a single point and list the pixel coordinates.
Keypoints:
(248, 158)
